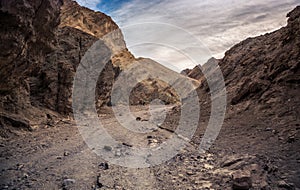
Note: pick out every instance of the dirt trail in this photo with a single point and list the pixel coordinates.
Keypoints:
(53, 157)
(58, 158)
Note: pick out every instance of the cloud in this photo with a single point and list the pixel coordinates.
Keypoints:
(92, 4)
(218, 24)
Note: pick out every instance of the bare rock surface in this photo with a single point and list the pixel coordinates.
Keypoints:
(43, 44)
(262, 83)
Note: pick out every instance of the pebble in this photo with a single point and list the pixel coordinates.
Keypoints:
(68, 182)
(25, 175)
(283, 184)
(20, 166)
(66, 153)
(104, 166)
(108, 148)
(291, 139)
(268, 129)
(118, 154)
(208, 166)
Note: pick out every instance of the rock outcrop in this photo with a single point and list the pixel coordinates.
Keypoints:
(262, 73)
(28, 37)
(197, 72)
(42, 45)
(262, 78)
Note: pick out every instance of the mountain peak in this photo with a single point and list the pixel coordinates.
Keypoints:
(94, 23)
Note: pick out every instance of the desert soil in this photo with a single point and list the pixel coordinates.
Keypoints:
(56, 157)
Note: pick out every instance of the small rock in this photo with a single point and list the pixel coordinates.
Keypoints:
(230, 161)
(118, 153)
(66, 153)
(68, 182)
(154, 129)
(268, 129)
(138, 119)
(25, 176)
(283, 184)
(108, 148)
(208, 166)
(104, 166)
(242, 181)
(126, 144)
(20, 166)
(291, 139)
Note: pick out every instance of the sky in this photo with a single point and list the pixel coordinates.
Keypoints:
(183, 33)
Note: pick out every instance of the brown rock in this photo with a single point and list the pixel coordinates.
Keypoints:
(241, 180)
(43, 44)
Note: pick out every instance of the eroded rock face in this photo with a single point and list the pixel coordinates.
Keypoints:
(262, 83)
(266, 69)
(98, 25)
(43, 44)
(24, 49)
(261, 73)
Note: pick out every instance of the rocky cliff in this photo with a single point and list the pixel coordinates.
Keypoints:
(42, 45)
(25, 48)
(262, 73)
(262, 77)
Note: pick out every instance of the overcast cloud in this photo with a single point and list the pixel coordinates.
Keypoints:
(218, 24)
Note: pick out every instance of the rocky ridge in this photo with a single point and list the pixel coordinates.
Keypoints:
(262, 82)
(43, 44)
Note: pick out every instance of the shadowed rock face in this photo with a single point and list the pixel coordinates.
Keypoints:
(39, 56)
(25, 48)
